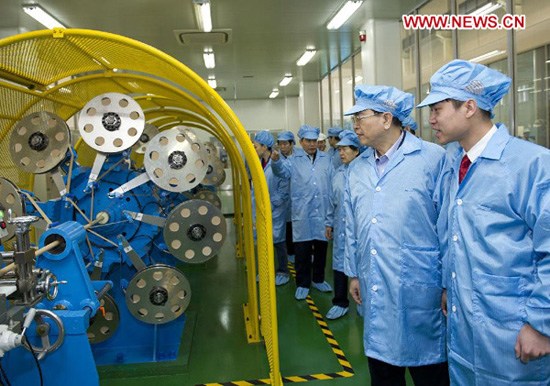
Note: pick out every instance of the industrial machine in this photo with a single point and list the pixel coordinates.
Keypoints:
(102, 286)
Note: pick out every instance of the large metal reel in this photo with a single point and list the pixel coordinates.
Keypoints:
(208, 195)
(175, 160)
(111, 122)
(158, 294)
(9, 199)
(195, 231)
(105, 322)
(215, 175)
(149, 132)
(39, 142)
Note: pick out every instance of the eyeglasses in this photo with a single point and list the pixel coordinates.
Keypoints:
(356, 119)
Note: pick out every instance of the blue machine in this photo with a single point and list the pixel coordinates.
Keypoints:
(75, 304)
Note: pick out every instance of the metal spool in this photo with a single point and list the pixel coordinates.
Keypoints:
(208, 195)
(9, 199)
(149, 132)
(195, 231)
(210, 149)
(111, 123)
(175, 160)
(39, 142)
(158, 294)
(215, 174)
(105, 322)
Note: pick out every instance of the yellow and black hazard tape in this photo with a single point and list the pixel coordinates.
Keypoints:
(347, 370)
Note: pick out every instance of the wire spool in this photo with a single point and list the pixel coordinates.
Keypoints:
(39, 142)
(9, 199)
(158, 294)
(194, 231)
(105, 322)
(215, 174)
(208, 195)
(175, 160)
(149, 132)
(111, 122)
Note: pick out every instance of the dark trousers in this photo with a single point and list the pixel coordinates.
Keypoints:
(384, 374)
(281, 258)
(340, 289)
(289, 242)
(306, 270)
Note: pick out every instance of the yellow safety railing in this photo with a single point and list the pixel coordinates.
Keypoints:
(60, 70)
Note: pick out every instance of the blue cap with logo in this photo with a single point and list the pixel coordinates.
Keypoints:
(286, 136)
(308, 132)
(463, 80)
(410, 123)
(334, 132)
(348, 138)
(382, 99)
(264, 137)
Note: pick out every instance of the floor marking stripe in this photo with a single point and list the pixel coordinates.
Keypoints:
(335, 347)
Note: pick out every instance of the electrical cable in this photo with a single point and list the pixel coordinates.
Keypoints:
(36, 360)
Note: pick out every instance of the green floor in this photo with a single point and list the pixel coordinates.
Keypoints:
(214, 349)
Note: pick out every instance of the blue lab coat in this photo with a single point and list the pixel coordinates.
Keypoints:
(497, 261)
(392, 248)
(335, 156)
(336, 218)
(279, 197)
(309, 191)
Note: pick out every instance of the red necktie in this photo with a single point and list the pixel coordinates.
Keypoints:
(464, 165)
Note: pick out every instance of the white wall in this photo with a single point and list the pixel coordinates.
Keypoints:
(381, 53)
(267, 114)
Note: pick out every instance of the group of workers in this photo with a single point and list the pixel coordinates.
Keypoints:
(446, 251)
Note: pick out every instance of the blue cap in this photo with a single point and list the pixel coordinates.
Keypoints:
(349, 138)
(463, 80)
(286, 136)
(410, 123)
(308, 132)
(383, 99)
(334, 132)
(264, 137)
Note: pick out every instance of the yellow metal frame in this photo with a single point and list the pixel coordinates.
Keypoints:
(60, 70)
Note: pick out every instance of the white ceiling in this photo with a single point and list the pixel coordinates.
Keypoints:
(266, 36)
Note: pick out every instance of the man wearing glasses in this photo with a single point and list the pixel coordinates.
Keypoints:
(392, 250)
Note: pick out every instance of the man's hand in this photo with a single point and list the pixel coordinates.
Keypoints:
(355, 290)
(444, 302)
(328, 233)
(531, 344)
(275, 155)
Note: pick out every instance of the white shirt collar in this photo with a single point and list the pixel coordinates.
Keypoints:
(478, 148)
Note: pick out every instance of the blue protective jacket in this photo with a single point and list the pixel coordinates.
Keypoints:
(279, 197)
(336, 218)
(309, 191)
(392, 248)
(496, 260)
(335, 156)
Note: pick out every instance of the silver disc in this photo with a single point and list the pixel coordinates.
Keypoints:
(194, 231)
(210, 196)
(175, 160)
(215, 174)
(105, 322)
(9, 199)
(158, 294)
(39, 142)
(149, 132)
(210, 149)
(111, 122)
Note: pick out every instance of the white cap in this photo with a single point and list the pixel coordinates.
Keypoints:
(321, 137)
